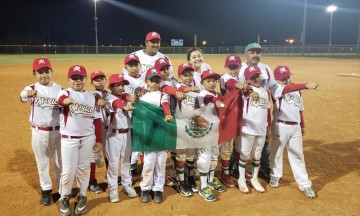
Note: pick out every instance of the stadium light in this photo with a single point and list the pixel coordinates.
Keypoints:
(204, 43)
(96, 30)
(331, 9)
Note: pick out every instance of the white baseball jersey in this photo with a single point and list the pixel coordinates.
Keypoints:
(77, 119)
(188, 104)
(44, 107)
(206, 97)
(134, 83)
(118, 119)
(148, 61)
(255, 113)
(105, 95)
(267, 77)
(224, 79)
(287, 107)
(197, 75)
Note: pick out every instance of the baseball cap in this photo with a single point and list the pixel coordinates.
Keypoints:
(152, 72)
(41, 63)
(161, 62)
(184, 67)
(280, 72)
(131, 57)
(251, 71)
(209, 73)
(77, 70)
(117, 78)
(253, 46)
(96, 74)
(232, 60)
(152, 35)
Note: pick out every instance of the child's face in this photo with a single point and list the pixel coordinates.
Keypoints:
(43, 75)
(154, 83)
(196, 59)
(233, 70)
(77, 83)
(99, 83)
(255, 80)
(187, 77)
(117, 88)
(133, 68)
(284, 81)
(165, 73)
(209, 84)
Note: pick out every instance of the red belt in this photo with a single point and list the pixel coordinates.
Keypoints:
(120, 130)
(287, 122)
(71, 137)
(46, 128)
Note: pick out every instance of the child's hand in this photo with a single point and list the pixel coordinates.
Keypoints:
(241, 86)
(254, 96)
(195, 89)
(180, 95)
(128, 107)
(169, 118)
(219, 104)
(312, 85)
(31, 93)
(101, 102)
(69, 101)
(132, 99)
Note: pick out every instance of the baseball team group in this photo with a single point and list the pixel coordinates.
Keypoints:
(75, 129)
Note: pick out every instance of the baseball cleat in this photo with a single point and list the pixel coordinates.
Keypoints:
(64, 207)
(308, 191)
(215, 185)
(168, 182)
(144, 197)
(243, 186)
(227, 180)
(158, 197)
(184, 189)
(192, 184)
(207, 194)
(45, 197)
(256, 185)
(80, 207)
(130, 191)
(274, 182)
(114, 196)
(94, 187)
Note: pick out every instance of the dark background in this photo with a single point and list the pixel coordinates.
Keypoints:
(225, 22)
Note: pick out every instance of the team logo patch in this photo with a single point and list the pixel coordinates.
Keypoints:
(262, 103)
(198, 127)
(42, 61)
(77, 68)
(251, 69)
(45, 102)
(292, 99)
(232, 58)
(283, 70)
(80, 109)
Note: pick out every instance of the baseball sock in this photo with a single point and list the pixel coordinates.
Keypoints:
(242, 166)
(190, 167)
(225, 166)
(142, 158)
(255, 168)
(203, 180)
(92, 171)
(180, 170)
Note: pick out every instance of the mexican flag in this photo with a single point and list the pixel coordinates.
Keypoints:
(204, 127)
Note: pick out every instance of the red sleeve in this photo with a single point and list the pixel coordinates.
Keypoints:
(230, 84)
(61, 100)
(98, 130)
(168, 90)
(118, 104)
(166, 108)
(125, 96)
(182, 89)
(209, 99)
(302, 123)
(294, 87)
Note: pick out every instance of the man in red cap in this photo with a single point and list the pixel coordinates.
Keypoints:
(44, 120)
(81, 134)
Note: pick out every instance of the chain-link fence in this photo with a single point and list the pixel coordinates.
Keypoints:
(290, 50)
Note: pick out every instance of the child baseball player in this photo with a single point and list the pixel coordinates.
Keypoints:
(153, 173)
(81, 134)
(118, 146)
(186, 157)
(98, 80)
(196, 59)
(288, 129)
(256, 126)
(44, 120)
(206, 96)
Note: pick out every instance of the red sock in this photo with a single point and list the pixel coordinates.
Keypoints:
(142, 159)
(92, 171)
(106, 163)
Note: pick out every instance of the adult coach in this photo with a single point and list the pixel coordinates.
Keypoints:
(253, 56)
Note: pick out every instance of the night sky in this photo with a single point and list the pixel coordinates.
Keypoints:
(226, 22)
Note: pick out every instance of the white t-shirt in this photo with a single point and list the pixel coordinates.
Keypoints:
(77, 119)
(45, 111)
(267, 77)
(255, 113)
(197, 75)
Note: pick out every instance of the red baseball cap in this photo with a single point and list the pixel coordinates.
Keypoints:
(131, 57)
(41, 63)
(280, 72)
(251, 71)
(209, 73)
(161, 62)
(151, 73)
(184, 67)
(152, 35)
(77, 70)
(117, 78)
(232, 60)
(96, 74)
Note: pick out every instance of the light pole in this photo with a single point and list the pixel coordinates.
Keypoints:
(303, 31)
(96, 30)
(331, 9)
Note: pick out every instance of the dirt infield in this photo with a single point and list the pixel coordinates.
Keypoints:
(331, 148)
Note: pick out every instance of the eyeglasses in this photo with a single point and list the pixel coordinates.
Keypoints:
(254, 77)
(77, 78)
(233, 67)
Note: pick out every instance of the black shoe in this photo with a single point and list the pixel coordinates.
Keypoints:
(45, 197)
(94, 187)
(64, 207)
(184, 189)
(265, 173)
(81, 205)
(144, 197)
(192, 184)
(133, 169)
(158, 196)
(119, 180)
(234, 170)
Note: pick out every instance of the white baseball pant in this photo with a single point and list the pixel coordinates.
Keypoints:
(250, 146)
(153, 173)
